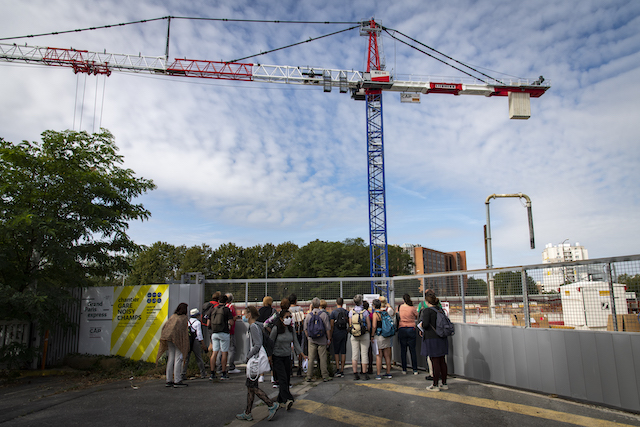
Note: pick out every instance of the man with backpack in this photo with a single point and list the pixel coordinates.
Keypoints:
(220, 324)
(196, 344)
(359, 326)
(207, 308)
(318, 332)
(339, 333)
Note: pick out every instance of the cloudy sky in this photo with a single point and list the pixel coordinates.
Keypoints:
(254, 163)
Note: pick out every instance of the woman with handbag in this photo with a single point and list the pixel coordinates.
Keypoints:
(257, 364)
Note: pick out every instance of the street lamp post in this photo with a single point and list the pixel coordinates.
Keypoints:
(266, 275)
(564, 267)
(489, 255)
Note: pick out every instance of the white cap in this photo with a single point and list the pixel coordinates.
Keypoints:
(194, 312)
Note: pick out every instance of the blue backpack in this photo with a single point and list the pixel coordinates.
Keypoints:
(316, 328)
(444, 328)
(386, 328)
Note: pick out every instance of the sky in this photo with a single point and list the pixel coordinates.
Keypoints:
(255, 163)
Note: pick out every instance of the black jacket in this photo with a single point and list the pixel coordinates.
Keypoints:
(429, 318)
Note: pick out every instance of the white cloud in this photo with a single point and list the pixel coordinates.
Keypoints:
(256, 163)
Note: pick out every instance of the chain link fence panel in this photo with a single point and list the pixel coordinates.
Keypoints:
(596, 294)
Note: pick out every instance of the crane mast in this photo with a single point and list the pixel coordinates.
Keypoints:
(378, 247)
(365, 86)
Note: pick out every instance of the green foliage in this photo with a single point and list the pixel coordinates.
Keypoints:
(159, 263)
(331, 259)
(343, 259)
(632, 282)
(16, 356)
(400, 263)
(65, 204)
(268, 259)
(476, 287)
(510, 283)
(162, 262)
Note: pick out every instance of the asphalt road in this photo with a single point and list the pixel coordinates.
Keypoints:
(400, 401)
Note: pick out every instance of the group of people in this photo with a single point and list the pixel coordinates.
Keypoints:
(296, 336)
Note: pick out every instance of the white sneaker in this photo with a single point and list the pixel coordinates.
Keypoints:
(433, 388)
(261, 379)
(443, 387)
(235, 371)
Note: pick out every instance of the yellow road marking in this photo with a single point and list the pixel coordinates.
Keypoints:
(345, 415)
(498, 405)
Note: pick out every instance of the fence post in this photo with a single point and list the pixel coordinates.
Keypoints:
(464, 312)
(525, 299)
(612, 296)
(391, 293)
(246, 294)
(341, 294)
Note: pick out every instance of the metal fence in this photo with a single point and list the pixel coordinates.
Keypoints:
(598, 294)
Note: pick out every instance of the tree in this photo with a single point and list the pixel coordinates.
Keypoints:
(510, 283)
(632, 282)
(400, 263)
(228, 262)
(65, 204)
(349, 258)
(196, 260)
(477, 287)
(158, 263)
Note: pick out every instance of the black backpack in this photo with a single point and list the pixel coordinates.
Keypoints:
(268, 344)
(207, 308)
(444, 328)
(192, 337)
(342, 322)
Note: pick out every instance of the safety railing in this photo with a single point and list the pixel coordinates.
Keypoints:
(598, 294)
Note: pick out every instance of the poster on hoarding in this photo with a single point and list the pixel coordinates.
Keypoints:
(138, 315)
(96, 310)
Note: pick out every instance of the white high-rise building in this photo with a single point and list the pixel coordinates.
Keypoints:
(563, 252)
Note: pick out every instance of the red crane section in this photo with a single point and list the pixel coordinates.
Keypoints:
(211, 69)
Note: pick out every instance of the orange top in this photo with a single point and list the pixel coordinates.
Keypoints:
(408, 316)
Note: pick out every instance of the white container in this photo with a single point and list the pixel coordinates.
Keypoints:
(587, 305)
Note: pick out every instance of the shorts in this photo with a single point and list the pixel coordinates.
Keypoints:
(383, 342)
(220, 341)
(339, 341)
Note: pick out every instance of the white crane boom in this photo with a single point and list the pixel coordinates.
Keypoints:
(83, 61)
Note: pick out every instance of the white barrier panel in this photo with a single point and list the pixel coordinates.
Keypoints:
(95, 321)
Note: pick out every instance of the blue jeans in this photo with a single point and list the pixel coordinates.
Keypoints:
(407, 338)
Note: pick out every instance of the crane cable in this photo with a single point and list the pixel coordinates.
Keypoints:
(294, 44)
(387, 30)
(142, 21)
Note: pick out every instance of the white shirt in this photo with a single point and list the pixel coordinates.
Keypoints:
(195, 324)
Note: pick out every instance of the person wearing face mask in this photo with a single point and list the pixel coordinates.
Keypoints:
(283, 336)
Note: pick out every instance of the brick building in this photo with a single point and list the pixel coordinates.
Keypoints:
(431, 261)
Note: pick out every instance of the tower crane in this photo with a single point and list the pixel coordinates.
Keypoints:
(366, 86)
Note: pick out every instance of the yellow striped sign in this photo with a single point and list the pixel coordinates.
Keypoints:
(138, 315)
